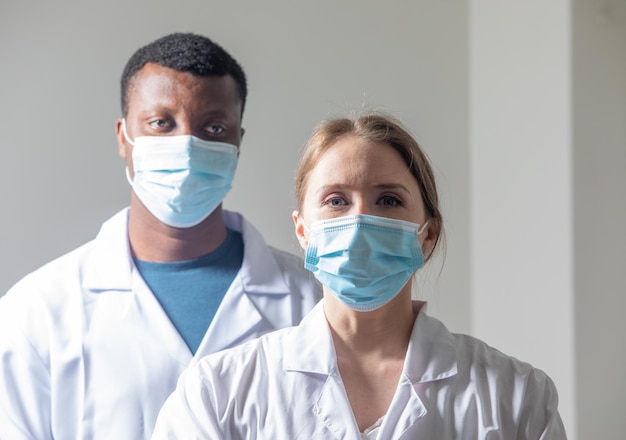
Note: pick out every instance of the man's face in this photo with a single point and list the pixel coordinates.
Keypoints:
(165, 102)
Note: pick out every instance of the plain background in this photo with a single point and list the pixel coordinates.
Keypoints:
(476, 82)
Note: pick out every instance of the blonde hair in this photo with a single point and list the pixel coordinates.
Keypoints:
(374, 128)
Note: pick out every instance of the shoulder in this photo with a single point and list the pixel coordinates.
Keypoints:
(262, 260)
(515, 385)
(509, 395)
(476, 355)
(477, 352)
(520, 391)
(58, 284)
(300, 280)
(243, 371)
(226, 394)
(473, 367)
(257, 355)
(34, 312)
(70, 267)
(47, 279)
(288, 261)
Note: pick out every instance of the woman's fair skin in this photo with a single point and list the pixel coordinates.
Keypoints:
(355, 176)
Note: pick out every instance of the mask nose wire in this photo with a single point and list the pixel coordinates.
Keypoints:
(125, 132)
(419, 230)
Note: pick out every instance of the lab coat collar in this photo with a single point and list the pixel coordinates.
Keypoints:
(259, 272)
(258, 287)
(309, 347)
(431, 354)
(260, 278)
(104, 269)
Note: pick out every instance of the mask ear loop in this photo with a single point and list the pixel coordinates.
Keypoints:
(125, 132)
(130, 142)
(128, 177)
(306, 228)
(419, 231)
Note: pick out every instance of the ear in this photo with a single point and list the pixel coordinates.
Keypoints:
(121, 141)
(241, 133)
(299, 227)
(432, 235)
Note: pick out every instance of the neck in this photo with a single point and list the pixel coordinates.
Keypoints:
(385, 331)
(151, 240)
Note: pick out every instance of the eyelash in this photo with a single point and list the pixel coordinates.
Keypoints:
(163, 123)
(221, 128)
(396, 201)
(159, 123)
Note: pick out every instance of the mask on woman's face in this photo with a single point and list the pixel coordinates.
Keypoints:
(181, 179)
(364, 260)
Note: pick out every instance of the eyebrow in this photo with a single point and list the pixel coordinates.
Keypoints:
(383, 186)
(392, 186)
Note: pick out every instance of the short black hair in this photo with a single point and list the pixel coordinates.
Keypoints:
(185, 52)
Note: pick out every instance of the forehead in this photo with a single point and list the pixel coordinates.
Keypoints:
(357, 162)
(158, 86)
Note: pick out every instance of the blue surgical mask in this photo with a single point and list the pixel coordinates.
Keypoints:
(181, 179)
(364, 260)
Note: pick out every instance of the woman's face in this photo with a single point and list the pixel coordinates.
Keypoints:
(356, 177)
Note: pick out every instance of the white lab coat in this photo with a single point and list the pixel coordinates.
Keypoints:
(286, 385)
(86, 352)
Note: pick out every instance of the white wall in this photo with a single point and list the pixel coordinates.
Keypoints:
(548, 196)
(599, 91)
(521, 185)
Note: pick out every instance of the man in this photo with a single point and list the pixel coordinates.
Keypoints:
(92, 343)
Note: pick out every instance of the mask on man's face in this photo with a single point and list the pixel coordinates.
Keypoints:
(181, 179)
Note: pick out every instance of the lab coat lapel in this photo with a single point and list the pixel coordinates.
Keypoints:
(109, 263)
(111, 268)
(431, 356)
(405, 410)
(309, 350)
(158, 323)
(235, 321)
(334, 411)
(257, 302)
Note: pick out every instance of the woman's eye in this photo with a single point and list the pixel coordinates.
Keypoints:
(390, 201)
(334, 201)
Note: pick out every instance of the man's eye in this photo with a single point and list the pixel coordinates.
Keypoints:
(159, 123)
(215, 129)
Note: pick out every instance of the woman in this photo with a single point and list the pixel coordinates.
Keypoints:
(367, 362)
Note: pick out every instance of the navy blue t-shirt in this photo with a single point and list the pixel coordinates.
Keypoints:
(191, 291)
